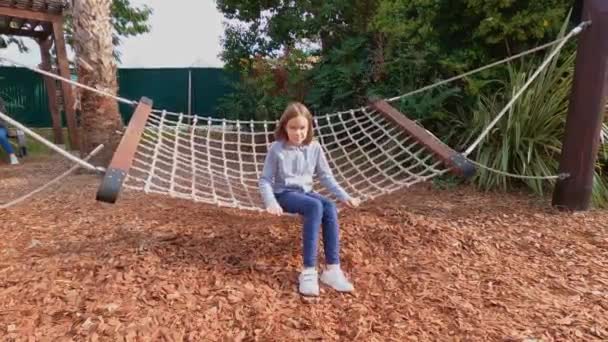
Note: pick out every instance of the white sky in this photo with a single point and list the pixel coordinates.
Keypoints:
(183, 33)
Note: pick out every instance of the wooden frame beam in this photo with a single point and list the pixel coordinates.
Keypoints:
(32, 15)
(68, 94)
(457, 163)
(51, 89)
(123, 156)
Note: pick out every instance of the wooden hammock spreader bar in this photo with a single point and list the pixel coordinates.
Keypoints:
(123, 156)
(456, 162)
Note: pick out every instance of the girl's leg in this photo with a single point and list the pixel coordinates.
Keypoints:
(312, 211)
(6, 145)
(333, 276)
(331, 231)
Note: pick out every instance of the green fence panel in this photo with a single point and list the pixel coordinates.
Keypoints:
(168, 88)
(208, 86)
(25, 95)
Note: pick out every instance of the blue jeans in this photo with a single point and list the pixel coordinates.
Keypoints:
(6, 145)
(317, 211)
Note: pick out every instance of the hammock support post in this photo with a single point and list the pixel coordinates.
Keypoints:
(123, 156)
(586, 111)
(456, 162)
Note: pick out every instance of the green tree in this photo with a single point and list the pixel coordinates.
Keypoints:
(292, 36)
(466, 33)
(291, 22)
(388, 47)
(5, 41)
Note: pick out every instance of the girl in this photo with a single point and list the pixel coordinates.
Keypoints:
(286, 185)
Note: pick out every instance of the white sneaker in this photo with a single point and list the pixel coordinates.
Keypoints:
(14, 160)
(335, 278)
(309, 282)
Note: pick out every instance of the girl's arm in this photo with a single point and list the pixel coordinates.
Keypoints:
(326, 177)
(267, 178)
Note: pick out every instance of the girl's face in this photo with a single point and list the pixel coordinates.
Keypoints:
(297, 130)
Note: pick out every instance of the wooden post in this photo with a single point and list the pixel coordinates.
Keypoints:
(118, 169)
(68, 94)
(51, 89)
(585, 113)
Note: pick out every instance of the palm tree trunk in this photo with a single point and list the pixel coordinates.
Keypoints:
(100, 117)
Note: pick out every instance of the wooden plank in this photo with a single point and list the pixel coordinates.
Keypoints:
(32, 15)
(130, 140)
(585, 113)
(452, 159)
(68, 93)
(125, 152)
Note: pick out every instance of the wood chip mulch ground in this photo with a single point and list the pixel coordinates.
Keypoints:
(427, 264)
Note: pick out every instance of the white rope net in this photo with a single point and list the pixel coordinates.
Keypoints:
(219, 161)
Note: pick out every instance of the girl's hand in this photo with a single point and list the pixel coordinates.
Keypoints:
(275, 209)
(353, 202)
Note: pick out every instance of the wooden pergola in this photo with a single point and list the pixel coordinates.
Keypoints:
(43, 20)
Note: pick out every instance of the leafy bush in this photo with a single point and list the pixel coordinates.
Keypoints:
(342, 79)
(528, 140)
(252, 99)
(265, 88)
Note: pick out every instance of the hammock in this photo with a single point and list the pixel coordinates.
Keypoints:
(373, 151)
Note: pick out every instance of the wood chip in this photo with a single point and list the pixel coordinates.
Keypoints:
(427, 265)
